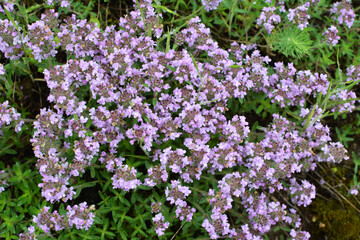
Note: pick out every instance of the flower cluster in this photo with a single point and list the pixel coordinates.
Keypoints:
(160, 224)
(300, 15)
(63, 3)
(10, 39)
(29, 235)
(354, 190)
(79, 215)
(8, 114)
(303, 194)
(290, 87)
(177, 194)
(345, 100)
(121, 88)
(331, 36)
(343, 12)
(8, 5)
(268, 18)
(2, 70)
(3, 183)
(353, 73)
(40, 38)
(210, 4)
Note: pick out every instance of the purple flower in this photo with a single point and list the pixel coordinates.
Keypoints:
(29, 235)
(343, 13)
(331, 35)
(177, 194)
(354, 190)
(10, 39)
(80, 215)
(268, 18)
(211, 4)
(2, 70)
(303, 194)
(125, 178)
(160, 224)
(299, 15)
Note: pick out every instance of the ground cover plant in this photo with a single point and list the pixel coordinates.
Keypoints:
(178, 119)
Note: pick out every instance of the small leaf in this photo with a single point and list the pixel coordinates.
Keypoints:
(92, 172)
(165, 9)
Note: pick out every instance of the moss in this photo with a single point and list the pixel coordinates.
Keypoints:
(334, 220)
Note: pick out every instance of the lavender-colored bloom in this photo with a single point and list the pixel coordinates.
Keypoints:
(80, 215)
(29, 235)
(185, 213)
(156, 207)
(125, 178)
(300, 16)
(3, 183)
(177, 193)
(354, 190)
(353, 73)
(268, 18)
(124, 69)
(63, 3)
(8, 5)
(8, 115)
(156, 176)
(2, 70)
(344, 101)
(40, 40)
(10, 40)
(160, 224)
(211, 4)
(303, 194)
(343, 12)
(301, 235)
(331, 35)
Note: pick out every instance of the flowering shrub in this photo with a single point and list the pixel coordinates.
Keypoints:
(155, 117)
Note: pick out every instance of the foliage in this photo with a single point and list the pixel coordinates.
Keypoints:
(292, 42)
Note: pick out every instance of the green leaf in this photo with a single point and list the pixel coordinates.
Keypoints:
(92, 172)
(94, 19)
(355, 158)
(123, 234)
(9, 151)
(292, 42)
(138, 156)
(98, 220)
(11, 19)
(23, 199)
(32, 8)
(165, 9)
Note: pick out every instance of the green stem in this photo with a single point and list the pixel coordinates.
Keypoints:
(252, 40)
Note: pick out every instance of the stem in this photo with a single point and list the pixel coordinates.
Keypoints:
(177, 231)
(28, 120)
(252, 40)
